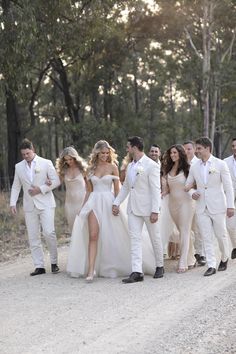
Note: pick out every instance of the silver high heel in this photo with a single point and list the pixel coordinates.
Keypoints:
(89, 278)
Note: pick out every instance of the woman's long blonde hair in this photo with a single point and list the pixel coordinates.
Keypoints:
(61, 165)
(93, 157)
(126, 160)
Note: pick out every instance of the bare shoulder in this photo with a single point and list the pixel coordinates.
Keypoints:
(114, 169)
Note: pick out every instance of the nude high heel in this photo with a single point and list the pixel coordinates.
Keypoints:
(89, 278)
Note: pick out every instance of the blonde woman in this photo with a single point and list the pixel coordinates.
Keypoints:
(71, 169)
(100, 241)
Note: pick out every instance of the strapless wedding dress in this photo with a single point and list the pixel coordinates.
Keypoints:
(113, 256)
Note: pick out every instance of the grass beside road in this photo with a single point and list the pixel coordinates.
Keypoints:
(13, 233)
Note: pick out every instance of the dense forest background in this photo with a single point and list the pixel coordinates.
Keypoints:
(74, 72)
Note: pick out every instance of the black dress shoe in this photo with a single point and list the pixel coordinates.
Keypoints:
(159, 273)
(223, 265)
(38, 271)
(133, 278)
(201, 260)
(233, 254)
(209, 271)
(54, 268)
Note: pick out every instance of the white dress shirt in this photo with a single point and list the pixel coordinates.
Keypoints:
(30, 169)
(205, 167)
(133, 170)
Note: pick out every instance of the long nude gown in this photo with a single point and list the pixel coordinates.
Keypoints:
(168, 230)
(75, 193)
(181, 208)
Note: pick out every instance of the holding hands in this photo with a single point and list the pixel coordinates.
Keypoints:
(115, 210)
(196, 195)
(153, 217)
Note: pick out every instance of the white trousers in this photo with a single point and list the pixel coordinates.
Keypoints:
(210, 224)
(135, 230)
(231, 227)
(197, 239)
(36, 220)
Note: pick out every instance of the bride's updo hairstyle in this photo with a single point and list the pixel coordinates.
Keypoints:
(93, 158)
(62, 166)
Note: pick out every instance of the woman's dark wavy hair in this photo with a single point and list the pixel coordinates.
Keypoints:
(167, 162)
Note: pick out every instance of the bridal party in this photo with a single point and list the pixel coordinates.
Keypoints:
(125, 219)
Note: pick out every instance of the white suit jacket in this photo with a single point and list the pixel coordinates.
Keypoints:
(217, 194)
(145, 191)
(230, 162)
(44, 170)
(194, 160)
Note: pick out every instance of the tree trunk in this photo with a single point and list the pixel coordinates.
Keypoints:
(172, 112)
(72, 110)
(136, 95)
(94, 104)
(13, 133)
(152, 116)
(213, 114)
(206, 67)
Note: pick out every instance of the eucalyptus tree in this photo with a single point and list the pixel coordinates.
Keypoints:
(199, 37)
(215, 22)
(47, 45)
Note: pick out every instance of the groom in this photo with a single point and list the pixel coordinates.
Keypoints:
(142, 183)
(231, 222)
(215, 201)
(31, 174)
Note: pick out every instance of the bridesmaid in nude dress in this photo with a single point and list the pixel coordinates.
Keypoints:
(181, 206)
(71, 169)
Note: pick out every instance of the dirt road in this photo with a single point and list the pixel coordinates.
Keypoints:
(181, 313)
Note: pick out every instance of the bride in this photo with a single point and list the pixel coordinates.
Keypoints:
(100, 242)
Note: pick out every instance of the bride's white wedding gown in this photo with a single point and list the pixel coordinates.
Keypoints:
(113, 256)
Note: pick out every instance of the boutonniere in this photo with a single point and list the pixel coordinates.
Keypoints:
(37, 170)
(212, 170)
(139, 170)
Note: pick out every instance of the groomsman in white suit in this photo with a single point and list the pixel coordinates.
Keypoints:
(142, 184)
(231, 222)
(155, 153)
(190, 149)
(31, 174)
(215, 200)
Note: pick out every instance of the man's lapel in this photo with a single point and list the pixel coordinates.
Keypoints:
(231, 167)
(23, 171)
(212, 170)
(140, 170)
(200, 171)
(128, 174)
(36, 170)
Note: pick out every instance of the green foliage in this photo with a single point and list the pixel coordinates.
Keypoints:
(81, 71)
